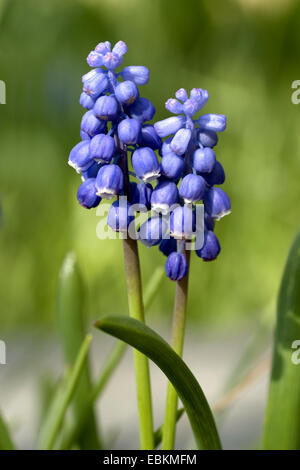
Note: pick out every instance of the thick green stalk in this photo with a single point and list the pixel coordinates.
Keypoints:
(180, 306)
(136, 310)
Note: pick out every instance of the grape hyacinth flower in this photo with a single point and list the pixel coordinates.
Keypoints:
(119, 157)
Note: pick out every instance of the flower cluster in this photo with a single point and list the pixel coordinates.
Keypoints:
(115, 124)
(188, 158)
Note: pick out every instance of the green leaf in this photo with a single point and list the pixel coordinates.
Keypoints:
(53, 422)
(71, 326)
(152, 345)
(282, 423)
(6, 442)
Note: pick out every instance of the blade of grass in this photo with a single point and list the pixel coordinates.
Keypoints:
(145, 340)
(58, 408)
(6, 442)
(282, 422)
(71, 326)
(158, 434)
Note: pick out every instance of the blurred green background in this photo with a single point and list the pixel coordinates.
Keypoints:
(244, 52)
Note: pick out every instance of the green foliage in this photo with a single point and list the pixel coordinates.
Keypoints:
(282, 426)
(145, 340)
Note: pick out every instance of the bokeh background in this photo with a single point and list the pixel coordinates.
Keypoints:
(246, 54)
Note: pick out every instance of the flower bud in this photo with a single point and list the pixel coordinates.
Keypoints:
(118, 217)
(145, 164)
(86, 101)
(217, 176)
(182, 223)
(120, 48)
(199, 95)
(152, 231)
(137, 73)
(192, 188)
(142, 110)
(149, 138)
(128, 131)
(180, 141)
(168, 246)
(181, 94)
(87, 195)
(92, 125)
(95, 84)
(80, 158)
(164, 196)
(172, 166)
(176, 266)
(217, 203)
(211, 247)
(212, 122)
(169, 126)
(208, 138)
(190, 107)
(127, 92)
(103, 47)
(102, 148)
(106, 108)
(204, 160)
(174, 106)
(141, 195)
(109, 181)
(94, 59)
(111, 60)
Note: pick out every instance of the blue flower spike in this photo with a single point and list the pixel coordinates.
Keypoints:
(117, 125)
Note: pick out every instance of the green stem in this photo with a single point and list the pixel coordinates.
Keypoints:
(136, 310)
(177, 339)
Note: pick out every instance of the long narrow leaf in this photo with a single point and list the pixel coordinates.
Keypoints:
(282, 424)
(57, 410)
(152, 345)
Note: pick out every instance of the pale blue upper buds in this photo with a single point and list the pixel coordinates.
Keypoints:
(174, 106)
(212, 122)
(169, 126)
(95, 83)
(109, 181)
(181, 94)
(137, 73)
(180, 141)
